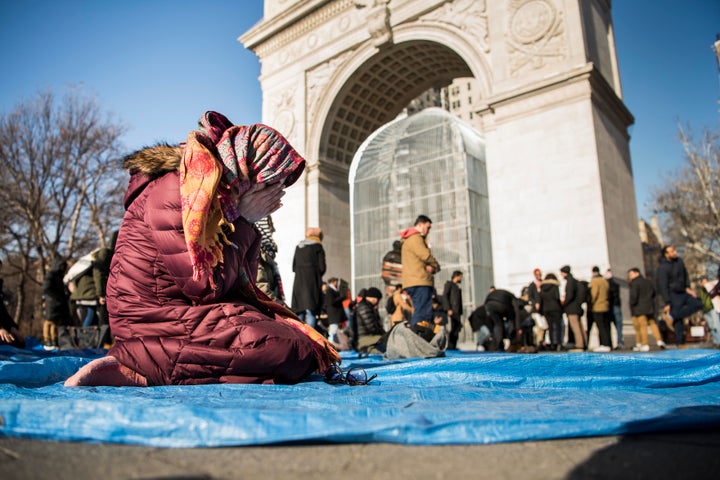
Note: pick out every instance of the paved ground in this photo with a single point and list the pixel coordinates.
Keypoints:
(676, 456)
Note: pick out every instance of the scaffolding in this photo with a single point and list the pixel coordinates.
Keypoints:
(430, 163)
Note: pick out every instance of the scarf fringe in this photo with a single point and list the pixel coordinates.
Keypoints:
(325, 354)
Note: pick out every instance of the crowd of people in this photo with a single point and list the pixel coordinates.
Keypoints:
(550, 314)
(192, 293)
(74, 296)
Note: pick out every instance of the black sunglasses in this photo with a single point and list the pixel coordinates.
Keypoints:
(354, 376)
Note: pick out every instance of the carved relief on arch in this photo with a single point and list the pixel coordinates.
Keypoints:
(377, 19)
(535, 34)
(317, 81)
(470, 16)
(282, 115)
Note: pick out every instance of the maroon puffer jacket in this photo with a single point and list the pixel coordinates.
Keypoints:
(176, 330)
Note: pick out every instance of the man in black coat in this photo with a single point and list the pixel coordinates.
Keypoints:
(57, 304)
(642, 308)
(501, 306)
(674, 286)
(453, 304)
(572, 307)
(309, 267)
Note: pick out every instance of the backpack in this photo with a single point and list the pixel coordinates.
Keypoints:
(583, 292)
(403, 342)
(343, 288)
(390, 306)
(391, 271)
(705, 299)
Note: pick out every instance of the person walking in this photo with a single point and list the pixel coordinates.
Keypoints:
(680, 301)
(642, 309)
(418, 269)
(453, 304)
(599, 308)
(309, 267)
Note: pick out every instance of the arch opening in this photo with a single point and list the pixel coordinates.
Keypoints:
(380, 89)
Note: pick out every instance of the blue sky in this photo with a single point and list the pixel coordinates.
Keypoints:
(157, 65)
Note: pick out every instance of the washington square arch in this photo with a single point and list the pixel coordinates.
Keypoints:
(546, 98)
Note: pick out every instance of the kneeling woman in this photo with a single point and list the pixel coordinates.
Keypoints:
(183, 304)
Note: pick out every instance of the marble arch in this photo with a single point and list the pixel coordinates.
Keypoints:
(549, 102)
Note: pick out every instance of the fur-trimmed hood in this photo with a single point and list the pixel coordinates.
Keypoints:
(155, 160)
(147, 164)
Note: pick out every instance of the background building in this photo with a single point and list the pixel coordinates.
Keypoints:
(546, 97)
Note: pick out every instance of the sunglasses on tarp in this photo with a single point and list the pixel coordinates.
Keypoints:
(353, 376)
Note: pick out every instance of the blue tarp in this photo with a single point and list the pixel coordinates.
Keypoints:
(464, 398)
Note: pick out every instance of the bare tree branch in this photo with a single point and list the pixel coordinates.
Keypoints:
(689, 199)
(60, 184)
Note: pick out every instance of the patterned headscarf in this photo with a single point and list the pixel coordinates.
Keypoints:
(220, 163)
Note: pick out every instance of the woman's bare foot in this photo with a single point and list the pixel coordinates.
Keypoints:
(106, 371)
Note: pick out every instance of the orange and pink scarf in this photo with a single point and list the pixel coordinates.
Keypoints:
(220, 163)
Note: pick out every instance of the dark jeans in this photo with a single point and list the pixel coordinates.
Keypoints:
(682, 305)
(422, 301)
(554, 320)
(498, 332)
(528, 335)
(455, 326)
(603, 323)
